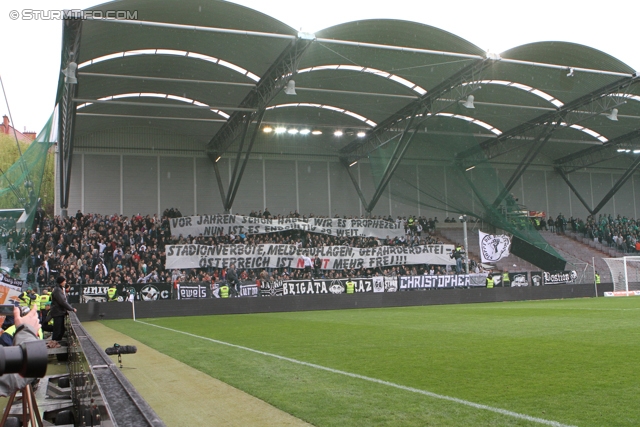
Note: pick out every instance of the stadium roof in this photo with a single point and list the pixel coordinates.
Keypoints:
(206, 68)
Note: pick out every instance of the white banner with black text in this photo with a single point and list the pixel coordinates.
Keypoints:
(215, 225)
(290, 256)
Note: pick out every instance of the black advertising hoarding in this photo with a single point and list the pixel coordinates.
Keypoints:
(142, 292)
(537, 278)
(193, 291)
(519, 279)
(560, 277)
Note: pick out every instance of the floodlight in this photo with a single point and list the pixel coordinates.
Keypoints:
(613, 116)
(469, 102)
(290, 88)
(70, 73)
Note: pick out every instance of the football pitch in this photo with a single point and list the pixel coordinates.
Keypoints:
(558, 363)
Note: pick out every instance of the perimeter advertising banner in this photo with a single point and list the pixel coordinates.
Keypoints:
(142, 292)
(193, 291)
(408, 283)
(290, 256)
(559, 277)
(515, 279)
(215, 225)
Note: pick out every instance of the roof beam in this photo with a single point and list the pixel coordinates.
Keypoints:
(432, 102)
(164, 79)
(165, 105)
(589, 105)
(131, 116)
(596, 154)
(271, 83)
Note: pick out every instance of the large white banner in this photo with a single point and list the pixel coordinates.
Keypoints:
(214, 225)
(494, 248)
(276, 256)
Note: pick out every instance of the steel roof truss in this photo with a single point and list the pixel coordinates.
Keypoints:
(589, 105)
(271, 83)
(593, 155)
(435, 100)
(533, 151)
(67, 116)
(616, 187)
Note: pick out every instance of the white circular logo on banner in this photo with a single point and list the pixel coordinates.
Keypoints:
(149, 293)
(336, 287)
(493, 247)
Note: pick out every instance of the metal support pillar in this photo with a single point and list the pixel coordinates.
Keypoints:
(540, 142)
(394, 162)
(234, 184)
(411, 117)
(66, 123)
(574, 189)
(617, 186)
(355, 184)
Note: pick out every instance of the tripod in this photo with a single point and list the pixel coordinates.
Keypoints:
(30, 413)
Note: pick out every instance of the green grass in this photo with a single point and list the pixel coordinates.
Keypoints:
(569, 361)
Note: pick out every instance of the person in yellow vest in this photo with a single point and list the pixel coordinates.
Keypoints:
(597, 278)
(224, 291)
(112, 294)
(45, 302)
(351, 286)
(506, 282)
(6, 337)
(25, 298)
(35, 302)
(489, 281)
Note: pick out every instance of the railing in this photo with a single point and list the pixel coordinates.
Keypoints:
(100, 392)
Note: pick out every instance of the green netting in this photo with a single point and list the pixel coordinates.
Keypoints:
(23, 181)
(471, 188)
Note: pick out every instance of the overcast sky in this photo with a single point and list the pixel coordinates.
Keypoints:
(30, 51)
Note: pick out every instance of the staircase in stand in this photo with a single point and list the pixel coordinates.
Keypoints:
(584, 250)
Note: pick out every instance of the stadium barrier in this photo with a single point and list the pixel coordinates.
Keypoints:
(95, 310)
(376, 284)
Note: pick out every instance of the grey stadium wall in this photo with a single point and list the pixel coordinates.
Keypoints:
(110, 182)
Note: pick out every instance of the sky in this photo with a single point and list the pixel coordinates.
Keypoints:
(30, 50)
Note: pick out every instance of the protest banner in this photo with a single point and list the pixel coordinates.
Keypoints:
(215, 225)
(290, 256)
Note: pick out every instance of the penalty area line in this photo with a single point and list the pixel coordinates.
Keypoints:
(374, 380)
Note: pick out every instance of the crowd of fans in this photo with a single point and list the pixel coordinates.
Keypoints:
(115, 249)
(617, 232)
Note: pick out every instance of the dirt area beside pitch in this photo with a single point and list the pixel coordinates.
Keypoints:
(182, 395)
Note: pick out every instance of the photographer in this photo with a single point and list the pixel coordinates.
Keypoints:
(26, 330)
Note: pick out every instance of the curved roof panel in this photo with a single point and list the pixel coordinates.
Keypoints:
(568, 54)
(220, 54)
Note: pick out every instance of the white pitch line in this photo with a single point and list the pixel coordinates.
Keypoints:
(375, 380)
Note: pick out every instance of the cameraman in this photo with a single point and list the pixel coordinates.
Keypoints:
(26, 330)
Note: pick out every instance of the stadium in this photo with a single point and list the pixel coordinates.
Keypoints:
(378, 223)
